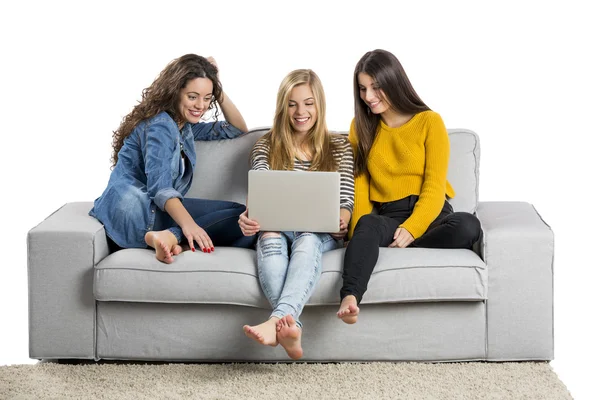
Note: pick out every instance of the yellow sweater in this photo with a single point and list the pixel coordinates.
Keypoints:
(410, 159)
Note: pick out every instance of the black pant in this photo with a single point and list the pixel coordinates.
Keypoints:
(450, 230)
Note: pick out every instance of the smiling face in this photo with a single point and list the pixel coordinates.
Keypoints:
(302, 110)
(371, 94)
(194, 99)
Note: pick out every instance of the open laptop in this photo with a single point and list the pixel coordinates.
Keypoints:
(301, 201)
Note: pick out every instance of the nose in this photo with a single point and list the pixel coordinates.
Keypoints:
(370, 95)
(300, 109)
(202, 104)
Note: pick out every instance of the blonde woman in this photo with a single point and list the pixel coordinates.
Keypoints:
(289, 263)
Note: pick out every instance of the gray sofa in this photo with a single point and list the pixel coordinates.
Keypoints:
(495, 303)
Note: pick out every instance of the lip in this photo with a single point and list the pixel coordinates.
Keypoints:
(196, 114)
(301, 121)
(374, 104)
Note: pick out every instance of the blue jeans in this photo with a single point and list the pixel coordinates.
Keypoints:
(288, 282)
(218, 218)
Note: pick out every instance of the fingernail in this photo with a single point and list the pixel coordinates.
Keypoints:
(193, 249)
(212, 248)
(204, 250)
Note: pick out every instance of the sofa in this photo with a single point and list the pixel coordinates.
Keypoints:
(494, 303)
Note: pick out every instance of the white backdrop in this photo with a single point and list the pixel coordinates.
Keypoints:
(523, 75)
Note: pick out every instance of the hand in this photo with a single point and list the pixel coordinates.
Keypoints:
(402, 238)
(343, 230)
(248, 226)
(214, 63)
(195, 233)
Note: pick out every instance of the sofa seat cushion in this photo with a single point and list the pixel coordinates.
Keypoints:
(229, 276)
(410, 275)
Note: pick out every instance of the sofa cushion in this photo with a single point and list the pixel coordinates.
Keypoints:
(229, 276)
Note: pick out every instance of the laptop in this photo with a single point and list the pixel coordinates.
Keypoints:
(300, 201)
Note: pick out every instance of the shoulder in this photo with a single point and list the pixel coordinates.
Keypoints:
(339, 142)
(430, 117)
(162, 120)
(261, 145)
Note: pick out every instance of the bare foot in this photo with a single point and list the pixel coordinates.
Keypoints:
(289, 336)
(263, 333)
(177, 250)
(349, 310)
(165, 244)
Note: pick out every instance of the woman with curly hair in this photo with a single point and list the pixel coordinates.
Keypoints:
(154, 159)
(289, 263)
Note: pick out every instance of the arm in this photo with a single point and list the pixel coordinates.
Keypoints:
(259, 160)
(230, 111)
(432, 196)
(346, 169)
(159, 148)
(232, 114)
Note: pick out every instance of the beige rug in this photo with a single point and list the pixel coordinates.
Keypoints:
(524, 380)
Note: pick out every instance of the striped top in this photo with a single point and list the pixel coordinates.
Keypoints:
(342, 153)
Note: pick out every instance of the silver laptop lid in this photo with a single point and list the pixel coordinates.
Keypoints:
(301, 201)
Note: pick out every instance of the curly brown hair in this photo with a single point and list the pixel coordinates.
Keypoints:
(163, 95)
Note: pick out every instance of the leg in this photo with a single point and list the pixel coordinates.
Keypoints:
(272, 260)
(219, 220)
(372, 231)
(304, 271)
(456, 230)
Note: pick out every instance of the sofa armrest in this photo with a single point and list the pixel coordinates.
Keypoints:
(518, 248)
(61, 254)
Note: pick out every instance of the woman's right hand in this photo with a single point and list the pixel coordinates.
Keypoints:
(248, 226)
(193, 232)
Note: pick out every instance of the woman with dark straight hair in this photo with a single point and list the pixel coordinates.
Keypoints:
(402, 152)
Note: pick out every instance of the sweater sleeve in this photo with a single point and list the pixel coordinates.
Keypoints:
(432, 197)
(362, 201)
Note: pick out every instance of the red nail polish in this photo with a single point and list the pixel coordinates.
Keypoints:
(204, 250)
(212, 249)
(193, 249)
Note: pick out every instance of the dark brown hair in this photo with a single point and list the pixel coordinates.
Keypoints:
(163, 95)
(385, 69)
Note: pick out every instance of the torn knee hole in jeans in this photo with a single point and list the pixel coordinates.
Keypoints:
(270, 244)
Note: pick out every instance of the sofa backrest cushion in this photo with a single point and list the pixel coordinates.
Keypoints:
(222, 168)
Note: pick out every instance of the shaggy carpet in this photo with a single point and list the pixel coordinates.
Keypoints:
(476, 380)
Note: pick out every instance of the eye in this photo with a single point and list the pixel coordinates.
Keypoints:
(376, 88)
(192, 97)
(291, 104)
(362, 89)
(208, 98)
(309, 104)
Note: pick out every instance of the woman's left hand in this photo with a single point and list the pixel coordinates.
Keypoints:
(343, 230)
(402, 238)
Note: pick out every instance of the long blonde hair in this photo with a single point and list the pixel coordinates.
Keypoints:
(280, 137)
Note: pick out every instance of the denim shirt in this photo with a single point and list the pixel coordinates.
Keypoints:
(149, 172)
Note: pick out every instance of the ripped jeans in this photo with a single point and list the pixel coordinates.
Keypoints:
(289, 281)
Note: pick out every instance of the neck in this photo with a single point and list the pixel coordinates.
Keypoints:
(299, 139)
(394, 119)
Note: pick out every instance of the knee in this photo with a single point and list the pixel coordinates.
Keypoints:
(469, 225)
(307, 241)
(270, 244)
(368, 222)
